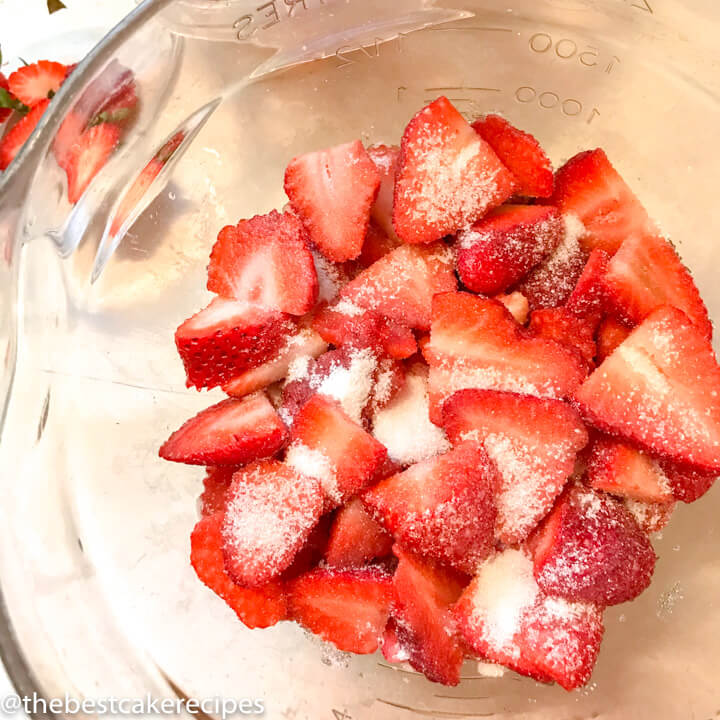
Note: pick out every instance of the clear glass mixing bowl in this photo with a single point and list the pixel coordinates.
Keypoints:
(98, 596)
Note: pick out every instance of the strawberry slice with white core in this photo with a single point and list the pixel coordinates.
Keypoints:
(385, 158)
(476, 343)
(592, 189)
(227, 338)
(533, 442)
(646, 273)
(271, 511)
(443, 508)
(332, 192)
(88, 156)
(36, 82)
(448, 177)
(499, 250)
(265, 261)
(232, 432)
(660, 390)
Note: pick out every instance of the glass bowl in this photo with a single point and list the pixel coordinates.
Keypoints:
(98, 596)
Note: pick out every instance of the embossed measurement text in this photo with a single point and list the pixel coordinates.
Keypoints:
(270, 13)
(547, 100)
(567, 49)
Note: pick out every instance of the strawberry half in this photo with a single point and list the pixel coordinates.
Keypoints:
(15, 138)
(660, 389)
(448, 177)
(227, 338)
(215, 489)
(589, 187)
(442, 508)
(348, 608)
(533, 442)
(610, 334)
(476, 343)
(645, 273)
(31, 84)
(423, 624)
(622, 470)
(517, 304)
(591, 549)
(499, 250)
(385, 158)
(88, 156)
(572, 331)
(521, 153)
(259, 607)
(355, 538)
(328, 445)
(265, 261)
(332, 192)
(232, 432)
(271, 511)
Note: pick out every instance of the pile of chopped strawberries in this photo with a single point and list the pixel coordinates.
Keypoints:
(463, 392)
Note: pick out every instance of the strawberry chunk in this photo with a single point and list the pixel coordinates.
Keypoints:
(259, 607)
(687, 483)
(622, 470)
(228, 338)
(424, 626)
(313, 551)
(610, 334)
(650, 517)
(88, 156)
(401, 285)
(348, 608)
(589, 187)
(521, 153)
(377, 244)
(392, 649)
(15, 138)
(517, 304)
(589, 295)
(533, 442)
(31, 84)
(573, 331)
(442, 508)
(271, 511)
(660, 389)
(646, 273)
(448, 177)
(389, 381)
(232, 432)
(305, 343)
(328, 445)
(265, 261)
(215, 489)
(385, 158)
(332, 192)
(355, 538)
(591, 549)
(476, 343)
(499, 250)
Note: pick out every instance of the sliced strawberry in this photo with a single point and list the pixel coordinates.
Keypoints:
(645, 273)
(256, 607)
(622, 470)
(88, 156)
(589, 296)
(552, 282)
(401, 285)
(389, 381)
(517, 304)
(533, 442)
(265, 261)
(521, 153)
(328, 445)
(122, 103)
(233, 432)
(476, 343)
(15, 138)
(573, 331)
(650, 517)
(591, 549)
(377, 244)
(660, 389)
(424, 626)
(332, 192)
(687, 483)
(499, 250)
(271, 511)
(392, 649)
(215, 489)
(5, 112)
(355, 538)
(442, 508)
(385, 158)
(589, 187)
(313, 551)
(448, 177)
(228, 338)
(31, 84)
(332, 277)
(348, 608)
(610, 334)
(298, 347)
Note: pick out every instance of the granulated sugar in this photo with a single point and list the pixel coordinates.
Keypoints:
(298, 368)
(314, 464)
